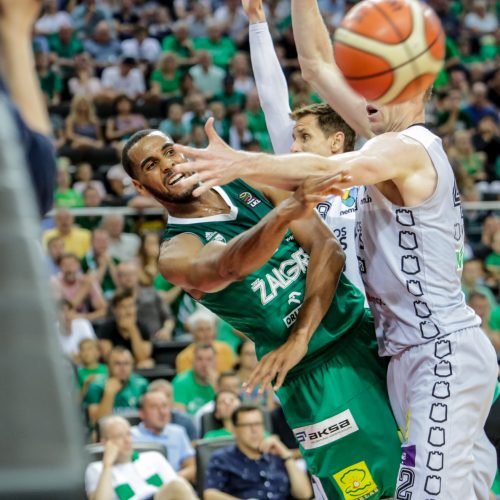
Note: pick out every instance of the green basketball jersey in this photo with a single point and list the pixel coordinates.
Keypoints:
(265, 304)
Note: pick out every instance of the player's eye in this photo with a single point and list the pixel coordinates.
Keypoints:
(306, 137)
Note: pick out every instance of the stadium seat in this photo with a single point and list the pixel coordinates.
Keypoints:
(159, 371)
(95, 451)
(164, 353)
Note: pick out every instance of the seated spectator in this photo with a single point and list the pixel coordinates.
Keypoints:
(479, 106)
(126, 18)
(487, 140)
(202, 325)
(153, 311)
(207, 77)
(123, 246)
(125, 330)
(176, 416)
(232, 20)
(230, 97)
(239, 133)
(198, 138)
(451, 116)
(81, 290)
(100, 264)
(68, 49)
(180, 43)
(197, 20)
(159, 27)
(91, 199)
(480, 21)
(156, 426)
(493, 259)
(124, 123)
(76, 240)
(141, 46)
(173, 126)
(90, 368)
(482, 307)
(221, 124)
(121, 190)
(88, 14)
(255, 466)
(225, 404)
(84, 179)
(166, 78)
(473, 280)
(103, 47)
(463, 154)
(221, 47)
(120, 392)
(147, 258)
(241, 71)
(72, 330)
(124, 78)
(193, 388)
(49, 77)
(52, 19)
(123, 474)
(65, 196)
(84, 82)
(196, 111)
(55, 250)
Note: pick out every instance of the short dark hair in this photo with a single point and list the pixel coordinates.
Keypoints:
(126, 162)
(120, 296)
(329, 121)
(246, 408)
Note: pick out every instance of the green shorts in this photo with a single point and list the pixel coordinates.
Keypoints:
(339, 412)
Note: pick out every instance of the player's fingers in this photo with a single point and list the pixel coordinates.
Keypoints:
(190, 152)
(204, 187)
(281, 377)
(212, 135)
(256, 376)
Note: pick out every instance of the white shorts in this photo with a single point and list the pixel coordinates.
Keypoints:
(441, 393)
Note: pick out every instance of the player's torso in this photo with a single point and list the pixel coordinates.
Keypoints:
(411, 259)
(266, 303)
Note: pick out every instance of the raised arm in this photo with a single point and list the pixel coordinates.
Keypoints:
(315, 53)
(269, 78)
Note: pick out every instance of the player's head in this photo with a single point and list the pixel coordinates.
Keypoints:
(319, 129)
(397, 117)
(149, 157)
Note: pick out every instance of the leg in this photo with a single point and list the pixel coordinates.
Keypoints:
(445, 390)
(178, 489)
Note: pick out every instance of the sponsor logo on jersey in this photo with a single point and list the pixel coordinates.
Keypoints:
(325, 432)
(249, 199)
(356, 482)
(214, 236)
(291, 318)
(349, 199)
(408, 456)
(281, 277)
(323, 208)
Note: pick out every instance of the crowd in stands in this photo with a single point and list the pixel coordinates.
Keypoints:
(109, 68)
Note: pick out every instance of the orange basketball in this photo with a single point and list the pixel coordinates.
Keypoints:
(389, 50)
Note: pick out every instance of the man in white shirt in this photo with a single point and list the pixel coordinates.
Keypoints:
(141, 46)
(125, 78)
(123, 473)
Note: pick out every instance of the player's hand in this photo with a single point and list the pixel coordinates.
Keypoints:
(111, 452)
(254, 11)
(216, 165)
(276, 365)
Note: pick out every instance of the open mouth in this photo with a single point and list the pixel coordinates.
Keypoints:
(371, 110)
(175, 179)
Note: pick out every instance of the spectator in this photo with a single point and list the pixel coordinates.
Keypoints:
(147, 475)
(202, 325)
(176, 416)
(479, 106)
(124, 330)
(487, 140)
(197, 20)
(166, 78)
(463, 154)
(197, 113)
(76, 240)
(156, 426)
(141, 47)
(120, 392)
(84, 83)
(254, 467)
(68, 48)
(65, 196)
(207, 77)
(147, 258)
(225, 404)
(221, 126)
(231, 98)
(451, 116)
(473, 280)
(121, 191)
(493, 259)
(480, 21)
(126, 19)
(91, 199)
(221, 47)
(124, 78)
(232, 20)
(52, 19)
(174, 126)
(103, 46)
(88, 15)
(239, 133)
(154, 312)
(49, 77)
(180, 43)
(123, 246)
(160, 26)
(240, 70)
(72, 330)
(55, 250)
(482, 307)
(100, 264)
(81, 290)
(193, 388)
(84, 179)
(121, 126)
(90, 369)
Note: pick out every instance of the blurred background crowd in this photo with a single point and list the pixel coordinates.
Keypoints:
(109, 68)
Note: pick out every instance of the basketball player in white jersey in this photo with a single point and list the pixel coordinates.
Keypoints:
(410, 253)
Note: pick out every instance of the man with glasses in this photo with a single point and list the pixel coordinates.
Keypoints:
(254, 467)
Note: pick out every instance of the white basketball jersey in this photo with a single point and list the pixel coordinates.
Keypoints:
(339, 213)
(411, 259)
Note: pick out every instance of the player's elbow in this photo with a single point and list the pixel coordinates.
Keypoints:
(333, 253)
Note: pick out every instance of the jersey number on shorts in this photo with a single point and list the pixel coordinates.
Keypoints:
(406, 481)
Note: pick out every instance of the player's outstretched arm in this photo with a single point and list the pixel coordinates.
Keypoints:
(326, 262)
(318, 67)
(199, 268)
(269, 78)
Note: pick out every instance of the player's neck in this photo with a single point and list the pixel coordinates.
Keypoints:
(209, 203)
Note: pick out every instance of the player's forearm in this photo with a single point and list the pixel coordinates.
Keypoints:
(323, 273)
(21, 79)
(271, 86)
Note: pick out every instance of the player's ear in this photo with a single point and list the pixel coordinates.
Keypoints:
(337, 142)
(139, 188)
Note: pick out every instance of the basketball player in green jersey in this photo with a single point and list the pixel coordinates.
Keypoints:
(265, 262)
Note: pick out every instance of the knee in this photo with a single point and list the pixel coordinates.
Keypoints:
(178, 489)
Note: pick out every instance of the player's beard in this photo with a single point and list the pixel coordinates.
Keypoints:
(181, 198)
